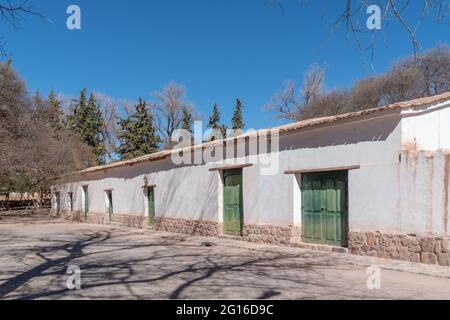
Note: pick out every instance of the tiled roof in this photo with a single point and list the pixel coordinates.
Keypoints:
(281, 129)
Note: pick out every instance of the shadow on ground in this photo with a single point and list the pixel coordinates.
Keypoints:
(117, 264)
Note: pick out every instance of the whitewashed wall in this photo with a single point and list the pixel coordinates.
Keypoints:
(380, 195)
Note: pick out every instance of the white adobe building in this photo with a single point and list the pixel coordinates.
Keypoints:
(375, 182)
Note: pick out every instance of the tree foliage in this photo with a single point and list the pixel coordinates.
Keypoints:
(55, 112)
(86, 120)
(214, 119)
(237, 121)
(187, 121)
(219, 130)
(137, 134)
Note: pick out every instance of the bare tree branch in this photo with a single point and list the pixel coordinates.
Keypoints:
(354, 12)
(13, 13)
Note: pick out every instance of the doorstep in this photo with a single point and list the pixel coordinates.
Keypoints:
(297, 242)
(228, 237)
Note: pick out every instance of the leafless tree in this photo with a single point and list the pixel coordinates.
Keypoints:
(169, 106)
(291, 103)
(32, 154)
(109, 108)
(332, 103)
(412, 77)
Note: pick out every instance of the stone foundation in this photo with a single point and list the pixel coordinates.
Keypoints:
(76, 216)
(192, 227)
(413, 248)
(269, 234)
(125, 220)
(130, 220)
(251, 233)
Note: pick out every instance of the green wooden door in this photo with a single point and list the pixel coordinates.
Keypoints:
(86, 202)
(232, 209)
(58, 203)
(71, 201)
(324, 207)
(110, 205)
(151, 206)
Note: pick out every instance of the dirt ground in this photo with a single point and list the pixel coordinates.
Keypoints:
(119, 263)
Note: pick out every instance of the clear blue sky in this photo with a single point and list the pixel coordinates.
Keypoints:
(218, 49)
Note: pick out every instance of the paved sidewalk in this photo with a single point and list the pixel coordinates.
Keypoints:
(122, 263)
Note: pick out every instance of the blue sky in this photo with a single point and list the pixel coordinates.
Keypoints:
(218, 49)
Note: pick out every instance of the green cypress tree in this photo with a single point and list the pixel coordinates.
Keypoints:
(55, 111)
(75, 117)
(94, 135)
(137, 134)
(237, 121)
(187, 121)
(125, 134)
(148, 140)
(223, 129)
(86, 120)
(214, 120)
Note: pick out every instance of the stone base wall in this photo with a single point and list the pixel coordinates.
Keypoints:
(125, 220)
(192, 227)
(130, 220)
(76, 216)
(413, 248)
(269, 234)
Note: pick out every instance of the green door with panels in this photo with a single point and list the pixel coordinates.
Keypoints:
(324, 207)
(86, 202)
(232, 209)
(58, 203)
(110, 205)
(151, 206)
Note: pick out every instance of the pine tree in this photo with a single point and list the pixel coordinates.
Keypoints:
(237, 121)
(214, 122)
(55, 112)
(86, 120)
(94, 134)
(187, 121)
(223, 129)
(75, 117)
(137, 134)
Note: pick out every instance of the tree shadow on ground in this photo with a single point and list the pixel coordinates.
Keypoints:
(107, 264)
